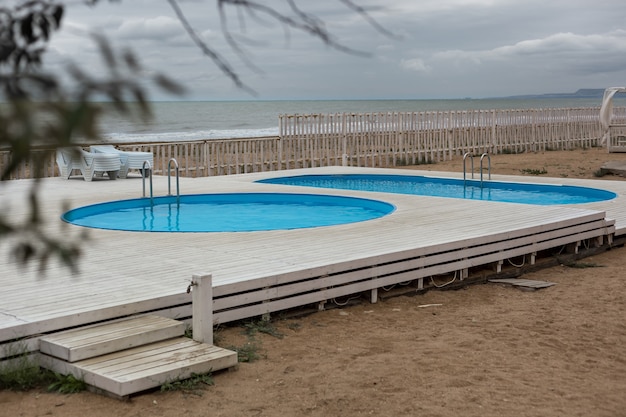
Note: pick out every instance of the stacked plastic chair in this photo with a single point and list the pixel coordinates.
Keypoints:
(89, 164)
(128, 160)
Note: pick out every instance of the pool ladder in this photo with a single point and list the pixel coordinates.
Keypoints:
(471, 157)
(169, 179)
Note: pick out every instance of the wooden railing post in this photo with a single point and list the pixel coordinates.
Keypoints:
(202, 308)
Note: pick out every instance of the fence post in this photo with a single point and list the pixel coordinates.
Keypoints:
(344, 138)
(494, 140)
(280, 153)
(205, 159)
(202, 308)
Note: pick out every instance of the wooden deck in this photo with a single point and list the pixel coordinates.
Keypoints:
(125, 273)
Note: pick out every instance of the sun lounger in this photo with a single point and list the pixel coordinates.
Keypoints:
(128, 160)
(89, 164)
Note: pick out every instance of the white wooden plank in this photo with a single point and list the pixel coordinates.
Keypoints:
(123, 275)
(98, 340)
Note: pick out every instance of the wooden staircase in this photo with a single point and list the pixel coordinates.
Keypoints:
(131, 355)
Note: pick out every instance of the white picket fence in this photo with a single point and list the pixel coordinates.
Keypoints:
(371, 140)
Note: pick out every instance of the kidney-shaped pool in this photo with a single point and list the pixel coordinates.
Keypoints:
(526, 193)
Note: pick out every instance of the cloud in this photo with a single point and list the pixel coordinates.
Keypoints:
(415, 65)
(157, 28)
(443, 48)
(565, 43)
(559, 48)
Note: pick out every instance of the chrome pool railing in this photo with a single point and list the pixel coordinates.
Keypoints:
(481, 167)
(143, 177)
(169, 184)
(146, 164)
(471, 157)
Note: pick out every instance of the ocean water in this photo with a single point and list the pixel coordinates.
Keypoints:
(200, 120)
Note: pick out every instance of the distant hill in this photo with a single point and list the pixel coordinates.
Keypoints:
(581, 93)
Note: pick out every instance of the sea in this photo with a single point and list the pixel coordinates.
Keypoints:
(204, 120)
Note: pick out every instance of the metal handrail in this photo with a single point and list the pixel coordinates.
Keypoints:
(464, 169)
(169, 185)
(481, 166)
(143, 177)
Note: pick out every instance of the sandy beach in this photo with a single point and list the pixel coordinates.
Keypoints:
(484, 350)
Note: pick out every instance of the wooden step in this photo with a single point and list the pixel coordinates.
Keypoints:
(145, 367)
(84, 343)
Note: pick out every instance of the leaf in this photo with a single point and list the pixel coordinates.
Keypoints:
(106, 51)
(168, 84)
(23, 251)
(6, 49)
(57, 14)
(18, 58)
(26, 29)
(44, 26)
(131, 61)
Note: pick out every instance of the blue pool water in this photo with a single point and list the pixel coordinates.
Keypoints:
(233, 212)
(539, 194)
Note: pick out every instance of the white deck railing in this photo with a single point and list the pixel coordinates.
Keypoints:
(371, 140)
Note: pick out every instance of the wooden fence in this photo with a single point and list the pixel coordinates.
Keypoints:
(372, 140)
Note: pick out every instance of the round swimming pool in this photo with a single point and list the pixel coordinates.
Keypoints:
(526, 193)
(231, 212)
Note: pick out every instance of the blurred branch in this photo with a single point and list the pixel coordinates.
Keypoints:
(42, 112)
(300, 21)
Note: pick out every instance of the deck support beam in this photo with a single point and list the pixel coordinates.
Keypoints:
(374, 296)
(463, 274)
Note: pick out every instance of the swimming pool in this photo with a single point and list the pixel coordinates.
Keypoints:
(526, 193)
(228, 212)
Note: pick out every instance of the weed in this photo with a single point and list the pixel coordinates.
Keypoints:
(294, 326)
(191, 385)
(188, 332)
(217, 334)
(531, 171)
(262, 326)
(599, 173)
(20, 372)
(508, 151)
(249, 352)
(67, 384)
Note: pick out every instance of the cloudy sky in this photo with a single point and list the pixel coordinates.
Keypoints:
(438, 48)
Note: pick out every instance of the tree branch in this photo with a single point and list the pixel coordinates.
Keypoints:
(217, 59)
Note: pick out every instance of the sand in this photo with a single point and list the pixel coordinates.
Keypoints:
(484, 350)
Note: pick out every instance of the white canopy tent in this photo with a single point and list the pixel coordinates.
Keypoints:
(606, 113)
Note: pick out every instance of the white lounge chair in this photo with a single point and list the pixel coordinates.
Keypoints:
(89, 164)
(128, 160)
